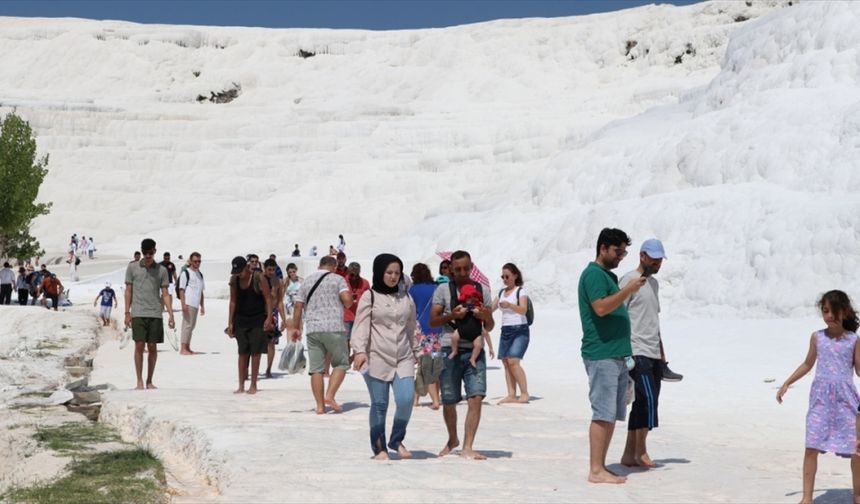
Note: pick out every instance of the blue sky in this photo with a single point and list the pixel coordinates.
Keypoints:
(364, 14)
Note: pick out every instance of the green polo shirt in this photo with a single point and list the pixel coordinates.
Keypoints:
(146, 284)
(606, 337)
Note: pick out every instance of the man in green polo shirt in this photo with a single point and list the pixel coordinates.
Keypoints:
(146, 295)
(605, 346)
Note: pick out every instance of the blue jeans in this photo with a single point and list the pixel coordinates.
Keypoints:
(404, 394)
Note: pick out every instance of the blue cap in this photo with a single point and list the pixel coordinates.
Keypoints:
(653, 248)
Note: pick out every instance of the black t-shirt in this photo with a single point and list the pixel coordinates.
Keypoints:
(171, 270)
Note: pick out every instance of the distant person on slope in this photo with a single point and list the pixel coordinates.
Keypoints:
(606, 350)
(293, 283)
(296, 252)
(831, 422)
(22, 286)
(146, 295)
(341, 243)
(51, 288)
(643, 307)
(91, 248)
(341, 268)
(171, 276)
(108, 302)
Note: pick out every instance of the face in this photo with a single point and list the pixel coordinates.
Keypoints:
(460, 270)
(508, 277)
(355, 272)
(254, 262)
(148, 256)
(341, 260)
(612, 255)
(291, 273)
(445, 269)
(831, 318)
(166, 257)
(392, 275)
(137, 256)
(649, 264)
(270, 271)
(195, 262)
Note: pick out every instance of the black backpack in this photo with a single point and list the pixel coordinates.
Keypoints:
(469, 327)
(530, 311)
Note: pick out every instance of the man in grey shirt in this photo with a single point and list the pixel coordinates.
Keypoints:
(321, 299)
(459, 372)
(644, 309)
(145, 296)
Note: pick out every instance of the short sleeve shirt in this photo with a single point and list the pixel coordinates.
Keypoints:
(644, 309)
(442, 297)
(146, 284)
(606, 337)
(192, 282)
(171, 270)
(324, 313)
(107, 295)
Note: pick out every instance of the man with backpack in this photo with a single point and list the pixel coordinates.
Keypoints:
(321, 299)
(459, 372)
(189, 290)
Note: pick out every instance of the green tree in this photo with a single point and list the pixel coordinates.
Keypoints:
(21, 175)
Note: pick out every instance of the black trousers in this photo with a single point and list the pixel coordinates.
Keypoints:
(23, 294)
(5, 294)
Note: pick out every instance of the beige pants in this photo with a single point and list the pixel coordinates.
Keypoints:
(188, 324)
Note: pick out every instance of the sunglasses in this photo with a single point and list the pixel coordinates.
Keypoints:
(505, 277)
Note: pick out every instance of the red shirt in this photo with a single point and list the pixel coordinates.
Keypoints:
(357, 291)
(344, 272)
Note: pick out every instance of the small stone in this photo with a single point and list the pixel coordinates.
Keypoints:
(77, 384)
(91, 411)
(82, 398)
(77, 371)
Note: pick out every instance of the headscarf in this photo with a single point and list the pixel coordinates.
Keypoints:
(380, 264)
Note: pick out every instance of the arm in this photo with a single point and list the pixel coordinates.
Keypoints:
(412, 328)
(521, 307)
(489, 339)
(857, 357)
(96, 300)
(804, 368)
(232, 310)
(606, 305)
(439, 320)
(166, 302)
(267, 297)
(202, 308)
(346, 298)
(128, 295)
(296, 333)
(282, 311)
(360, 339)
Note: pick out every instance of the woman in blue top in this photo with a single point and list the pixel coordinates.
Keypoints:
(431, 361)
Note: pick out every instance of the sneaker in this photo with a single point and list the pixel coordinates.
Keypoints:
(669, 375)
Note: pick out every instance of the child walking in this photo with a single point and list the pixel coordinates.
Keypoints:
(831, 421)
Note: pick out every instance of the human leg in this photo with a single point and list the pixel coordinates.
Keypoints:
(404, 392)
(477, 348)
(317, 391)
(151, 358)
(433, 390)
(810, 467)
(509, 382)
(189, 322)
(243, 372)
(378, 390)
(607, 406)
(270, 357)
(255, 370)
(257, 343)
(335, 345)
(138, 363)
(599, 436)
(450, 383)
(475, 383)
(316, 357)
(519, 376)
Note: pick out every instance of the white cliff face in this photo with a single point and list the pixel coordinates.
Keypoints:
(518, 140)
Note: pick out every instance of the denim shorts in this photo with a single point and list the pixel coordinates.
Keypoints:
(514, 341)
(459, 371)
(607, 388)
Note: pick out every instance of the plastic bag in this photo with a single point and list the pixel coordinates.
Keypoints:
(293, 357)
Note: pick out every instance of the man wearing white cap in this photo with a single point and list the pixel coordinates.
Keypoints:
(109, 302)
(650, 363)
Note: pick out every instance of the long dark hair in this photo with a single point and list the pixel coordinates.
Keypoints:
(421, 274)
(840, 303)
(516, 271)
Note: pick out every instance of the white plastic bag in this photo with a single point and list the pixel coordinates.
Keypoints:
(295, 357)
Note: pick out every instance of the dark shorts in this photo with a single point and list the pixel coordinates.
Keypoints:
(514, 341)
(250, 340)
(459, 373)
(55, 299)
(147, 330)
(646, 375)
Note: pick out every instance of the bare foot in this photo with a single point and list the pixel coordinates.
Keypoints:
(628, 461)
(186, 352)
(150, 386)
(383, 455)
(472, 455)
(240, 390)
(507, 399)
(449, 447)
(524, 399)
(403, 452)
(606, 477)
(334, 406)
(268, 374)
(139, 386)
(646, 462)
(320, 411)
(252, 390)
(434, 406)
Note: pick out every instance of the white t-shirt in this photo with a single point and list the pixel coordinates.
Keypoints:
(194, 287)
(509, 316)
(643, 306)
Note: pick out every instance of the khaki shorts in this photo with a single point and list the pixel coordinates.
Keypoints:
(147, 330)
(322, 343)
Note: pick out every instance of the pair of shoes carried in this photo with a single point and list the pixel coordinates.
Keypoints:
(669, 375)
